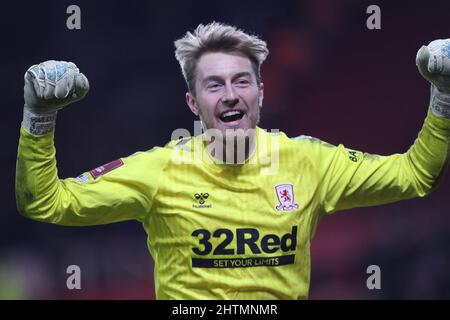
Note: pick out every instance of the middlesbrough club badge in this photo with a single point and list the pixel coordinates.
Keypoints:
(285, 195)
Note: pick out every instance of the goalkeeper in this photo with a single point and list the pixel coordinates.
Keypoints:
(218, 228)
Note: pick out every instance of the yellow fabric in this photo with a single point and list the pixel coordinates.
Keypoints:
(248, 249)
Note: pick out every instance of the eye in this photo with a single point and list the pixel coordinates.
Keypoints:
(242, 82)
(213, 86)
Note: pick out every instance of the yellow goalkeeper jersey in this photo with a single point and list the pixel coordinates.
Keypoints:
(218, 231)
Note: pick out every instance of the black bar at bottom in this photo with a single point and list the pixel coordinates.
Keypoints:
(243, 262)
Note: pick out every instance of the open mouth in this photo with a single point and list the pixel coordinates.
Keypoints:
(231, 115)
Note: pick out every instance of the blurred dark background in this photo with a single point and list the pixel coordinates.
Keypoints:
(327, 76)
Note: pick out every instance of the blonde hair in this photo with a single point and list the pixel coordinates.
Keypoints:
(217, 37)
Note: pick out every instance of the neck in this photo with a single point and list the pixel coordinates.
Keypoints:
(234, 147)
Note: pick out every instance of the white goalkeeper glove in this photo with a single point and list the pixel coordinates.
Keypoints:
(433, 62)
(50, 86)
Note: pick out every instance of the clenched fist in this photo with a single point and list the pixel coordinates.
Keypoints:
(433, 62)
(52, 85)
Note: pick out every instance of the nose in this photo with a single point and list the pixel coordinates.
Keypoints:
(230, 98)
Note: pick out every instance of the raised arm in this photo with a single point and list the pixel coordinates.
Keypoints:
(114, 192)
(354, 179)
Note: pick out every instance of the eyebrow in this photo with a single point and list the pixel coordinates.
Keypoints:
(218, 78)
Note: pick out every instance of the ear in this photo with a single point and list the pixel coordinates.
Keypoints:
(261, 95)
(192, 103)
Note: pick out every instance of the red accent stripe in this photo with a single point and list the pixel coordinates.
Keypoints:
(99, 171)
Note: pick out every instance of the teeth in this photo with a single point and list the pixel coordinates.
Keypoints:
(230, 113)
